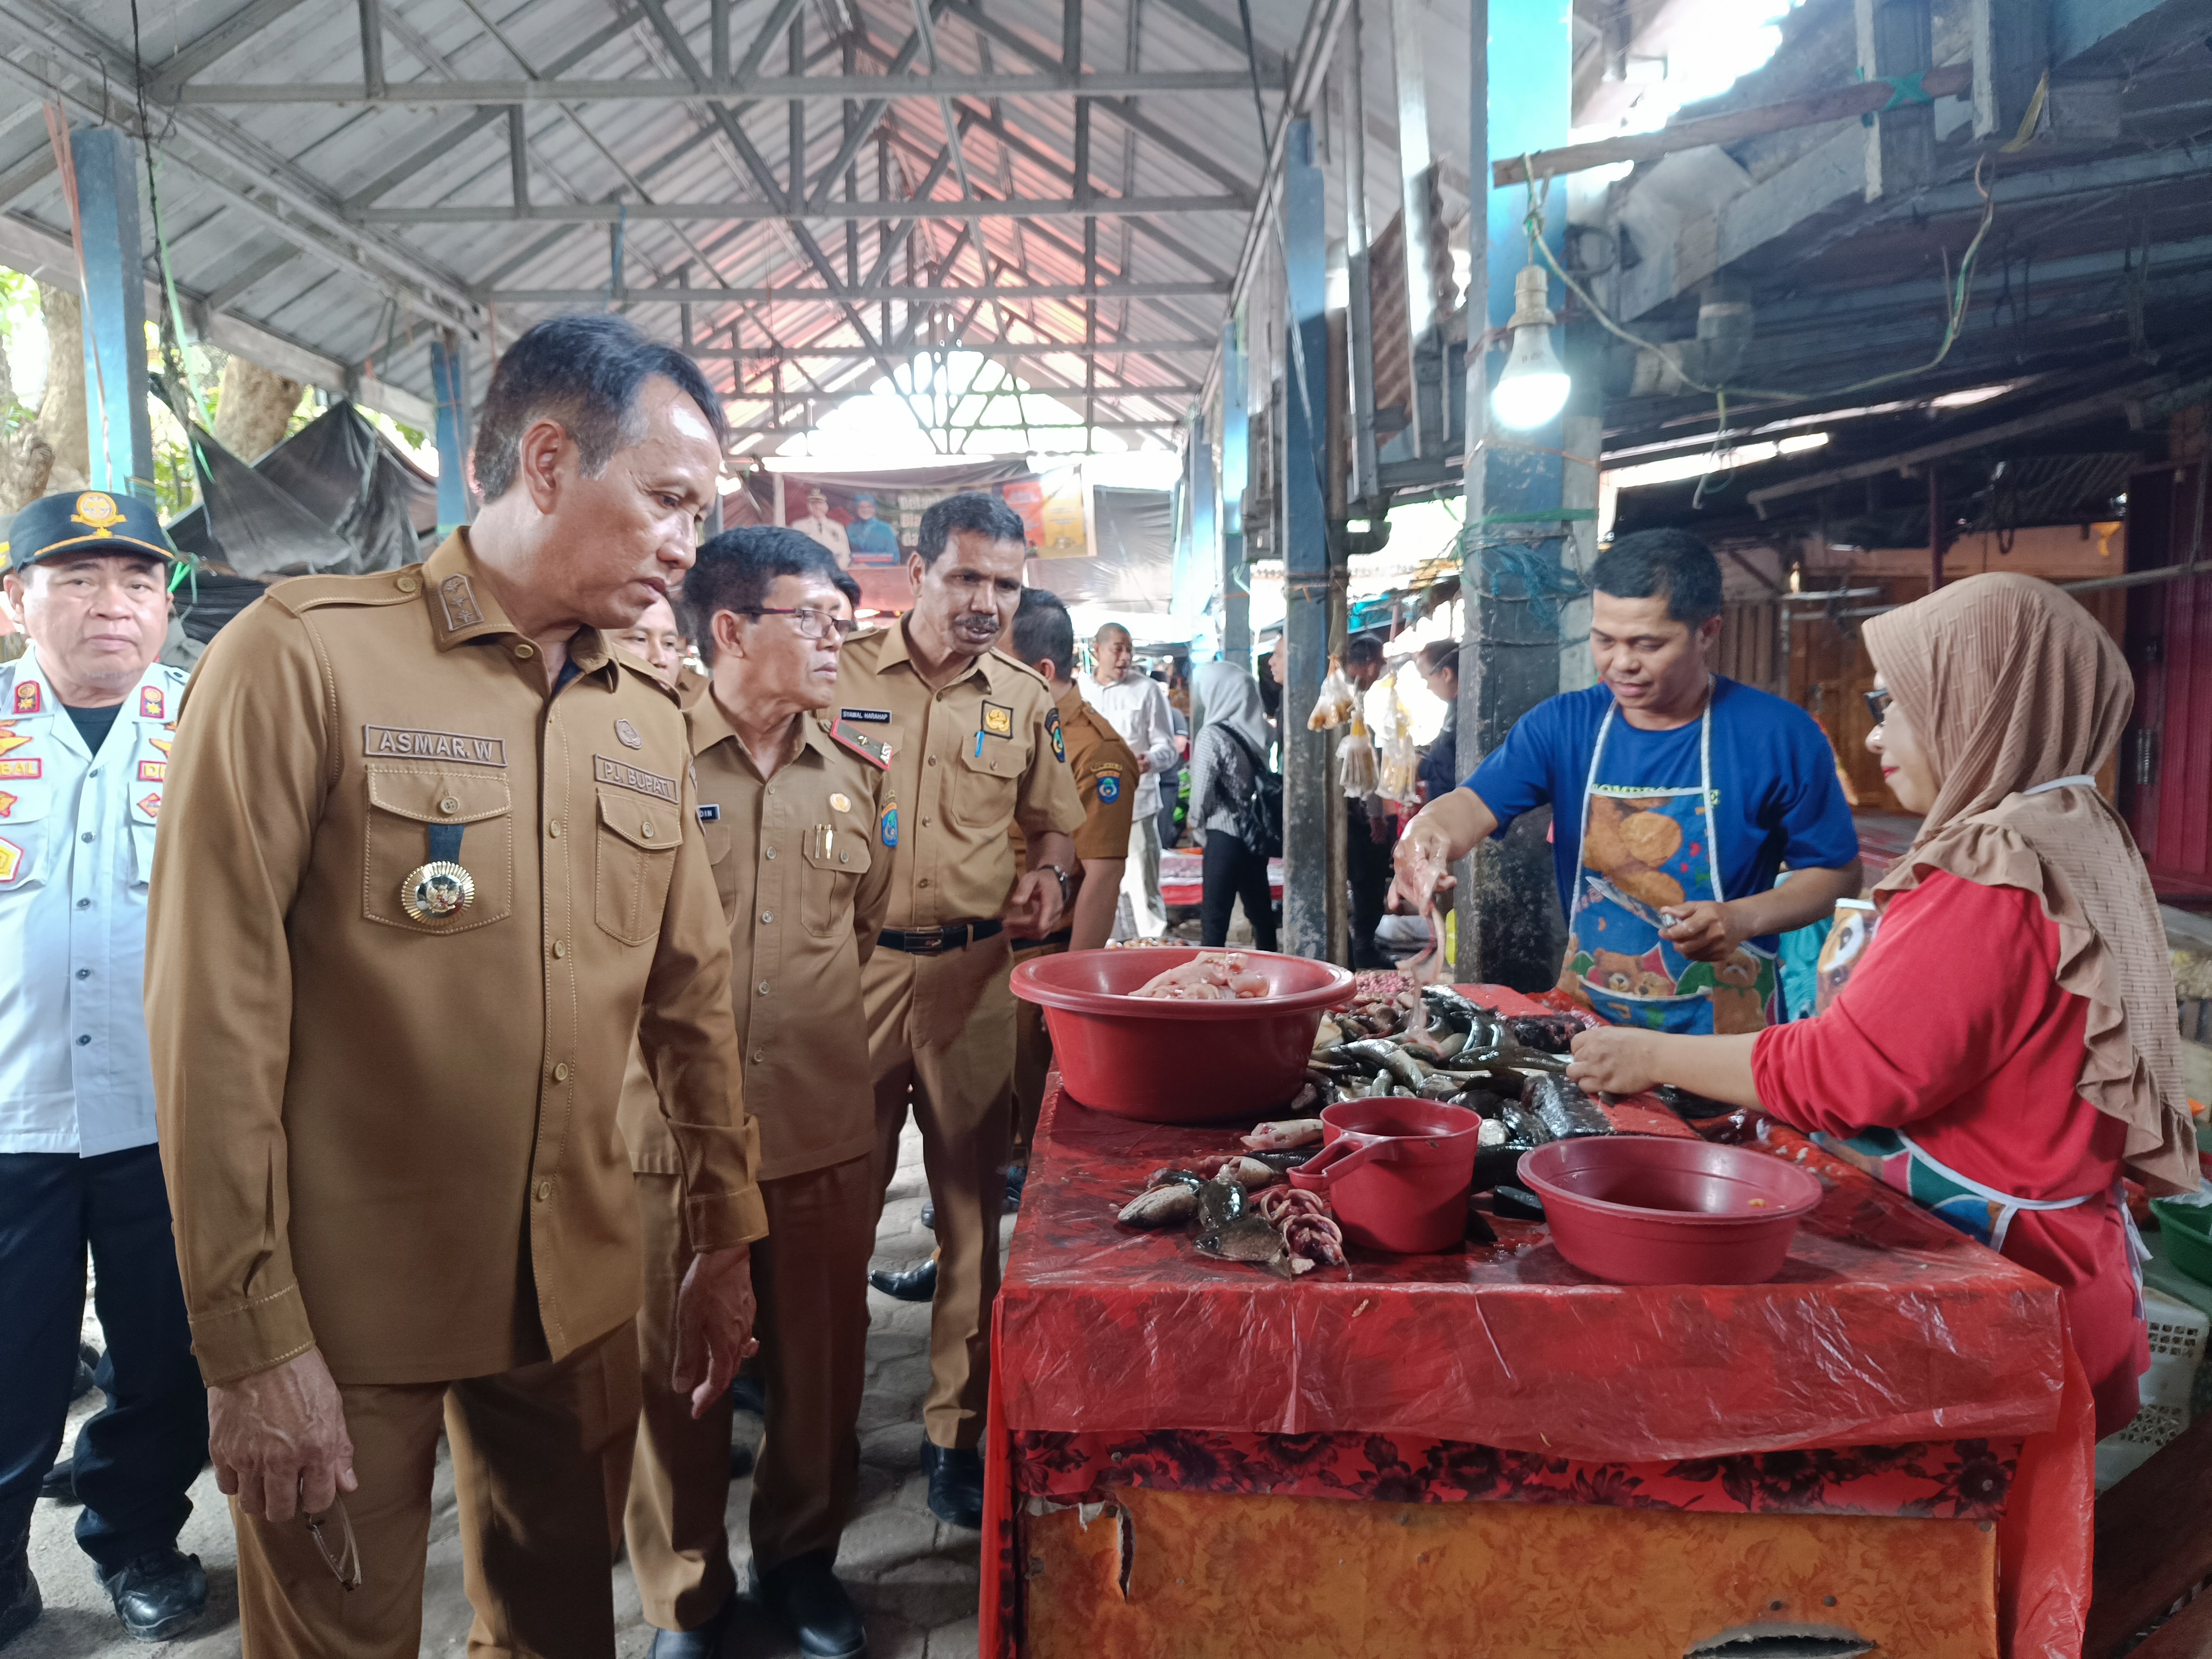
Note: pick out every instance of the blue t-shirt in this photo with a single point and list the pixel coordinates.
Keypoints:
(1774, 772)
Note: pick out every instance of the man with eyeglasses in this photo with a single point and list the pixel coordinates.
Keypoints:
(975, 747)
(795, 807)
(1677, 795)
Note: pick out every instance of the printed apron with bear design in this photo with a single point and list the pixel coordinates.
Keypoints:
(1643, 849)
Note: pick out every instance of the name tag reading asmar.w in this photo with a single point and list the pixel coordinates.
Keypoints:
(629, 777)
(433, 745)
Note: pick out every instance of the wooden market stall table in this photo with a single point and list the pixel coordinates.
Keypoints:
(1489, 1452)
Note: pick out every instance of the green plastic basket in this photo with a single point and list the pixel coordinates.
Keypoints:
(2188, 1233)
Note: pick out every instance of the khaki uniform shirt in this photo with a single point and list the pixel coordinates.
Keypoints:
(394, 1139)
(1105, 772)
(805, 879)
(967, 761)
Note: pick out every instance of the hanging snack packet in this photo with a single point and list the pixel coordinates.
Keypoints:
(1337, 703)
(1355, 760)
(1398, 775)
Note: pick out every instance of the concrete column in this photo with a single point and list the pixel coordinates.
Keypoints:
(1521, 81)
(1309, 793)
(1236, 472)
(115, 312)
(449, 370)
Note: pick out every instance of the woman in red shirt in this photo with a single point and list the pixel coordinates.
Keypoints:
(2008, 1046)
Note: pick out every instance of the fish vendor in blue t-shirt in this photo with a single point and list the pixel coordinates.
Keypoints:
(1677, 796)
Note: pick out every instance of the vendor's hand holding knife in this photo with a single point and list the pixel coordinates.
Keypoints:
(1707, 931)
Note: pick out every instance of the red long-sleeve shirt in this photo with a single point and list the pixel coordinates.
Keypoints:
(1955, 1030)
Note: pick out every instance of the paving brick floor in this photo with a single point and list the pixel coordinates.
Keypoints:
(913, 1577)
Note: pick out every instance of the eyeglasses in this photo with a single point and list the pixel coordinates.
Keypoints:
(812, 624)
(345, 1563)
(1878, 704)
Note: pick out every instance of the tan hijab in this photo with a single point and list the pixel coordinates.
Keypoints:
(2008, 683)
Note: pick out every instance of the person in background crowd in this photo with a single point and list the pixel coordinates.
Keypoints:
(1438, 661)
(871, 540)
(87, 718)
(1676, 795)
(431, 861)
(1173, 780)
(818, 524)
(1136, 706)
(1225, 762)
(2012, 1101)
(1371, 828)
(974, 746)
(774, 776)
(655, 640)
(1271, 688)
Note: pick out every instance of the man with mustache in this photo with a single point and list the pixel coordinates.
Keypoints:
(974, 746)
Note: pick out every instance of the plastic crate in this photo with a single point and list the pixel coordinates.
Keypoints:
(2177, 1333)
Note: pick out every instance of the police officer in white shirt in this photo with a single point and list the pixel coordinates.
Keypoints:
(86, 719)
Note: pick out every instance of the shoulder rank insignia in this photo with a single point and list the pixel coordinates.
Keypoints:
(29, 700)
(1110, 786)
(1053, 731)
(998, 719)
(874, 750)
(152, 705)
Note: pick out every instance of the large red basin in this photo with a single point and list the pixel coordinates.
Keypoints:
(1178, 1062)
(1650, 1210)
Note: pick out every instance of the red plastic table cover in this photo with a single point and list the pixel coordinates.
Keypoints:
(1885, 1326)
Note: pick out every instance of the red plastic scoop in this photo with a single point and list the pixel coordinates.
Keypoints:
(1397, 1172)
(1646, 1210)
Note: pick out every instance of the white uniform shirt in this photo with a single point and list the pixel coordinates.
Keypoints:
(1136, 707)
(77, 845)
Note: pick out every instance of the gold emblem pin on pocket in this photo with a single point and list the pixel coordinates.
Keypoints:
(437, 891)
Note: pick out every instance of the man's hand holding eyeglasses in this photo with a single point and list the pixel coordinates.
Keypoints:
(278, 1439)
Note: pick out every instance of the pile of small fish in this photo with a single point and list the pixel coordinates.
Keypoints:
(1434, 1044)
(1211, 976)
(1244, 1212)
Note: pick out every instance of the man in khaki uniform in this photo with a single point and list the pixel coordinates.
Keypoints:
(975, 747)
(793, 808)
(433, 860)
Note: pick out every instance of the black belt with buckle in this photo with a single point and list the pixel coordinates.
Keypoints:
(935, 941)
(1065, 936)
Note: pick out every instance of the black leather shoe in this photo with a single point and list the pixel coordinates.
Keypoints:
(807, 1601)
(20, 1605)
(60, 1481)
(956, 1484)
(748, 1394)
(1016, 1178)
(87, 1375)
(741, 1461)
(917, 1283)
(928, 1216)
(704, 1642)
(158, 1595)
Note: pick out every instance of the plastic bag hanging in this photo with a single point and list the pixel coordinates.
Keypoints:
(1398, 772)
(1355, 760)
(1337, 701)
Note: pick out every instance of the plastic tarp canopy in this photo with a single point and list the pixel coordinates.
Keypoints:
(1132, 565)
(334, 497)
(1884, 1326)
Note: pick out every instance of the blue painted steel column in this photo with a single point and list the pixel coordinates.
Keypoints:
(114, 312)
(1521, 85)
(1236, 469)
(1309, 796)
(449, 383)
(1206, 551)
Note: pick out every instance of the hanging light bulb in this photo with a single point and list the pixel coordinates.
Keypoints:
(1534, 388)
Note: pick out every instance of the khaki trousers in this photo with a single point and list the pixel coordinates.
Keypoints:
(810, 1275)
(941, 1039)
(1032, 1057)
(530, 1451)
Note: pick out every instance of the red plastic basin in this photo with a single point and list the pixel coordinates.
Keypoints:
(1178, 1062)
(1645, 1210)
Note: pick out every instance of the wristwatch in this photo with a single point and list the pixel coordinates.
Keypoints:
(1066, 880)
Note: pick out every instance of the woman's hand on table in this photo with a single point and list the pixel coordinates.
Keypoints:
(1615, 1061)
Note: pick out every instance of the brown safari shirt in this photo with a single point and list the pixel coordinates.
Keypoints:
(395, 1139)
(967, 761)
(1105, 772)
(805, 878)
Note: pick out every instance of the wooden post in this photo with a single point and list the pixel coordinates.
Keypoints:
(1521, 81)
(1895, 40)
(1310, 797)
(2009, 42)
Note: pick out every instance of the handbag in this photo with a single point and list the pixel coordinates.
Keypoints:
(1260, 814)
